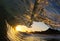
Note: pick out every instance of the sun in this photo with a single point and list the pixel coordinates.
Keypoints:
(18, 28)
(21, 28)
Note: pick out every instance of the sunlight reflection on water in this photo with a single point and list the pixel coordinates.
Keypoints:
(18, 36)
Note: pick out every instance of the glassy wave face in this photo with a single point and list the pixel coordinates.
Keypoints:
(14, 35)
(27, 11)
(47, 11)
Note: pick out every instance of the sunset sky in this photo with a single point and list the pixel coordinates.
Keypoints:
(36, 26)
(39, 26)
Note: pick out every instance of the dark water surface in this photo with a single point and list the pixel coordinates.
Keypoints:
(42, 37)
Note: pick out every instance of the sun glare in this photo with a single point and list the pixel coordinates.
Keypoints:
(18, 28)
(21, 28)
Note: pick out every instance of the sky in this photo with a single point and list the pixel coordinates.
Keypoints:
(39, 26)
(36, 26)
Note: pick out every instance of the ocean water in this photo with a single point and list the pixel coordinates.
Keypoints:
(32, 37)
(40, 37)
(14, 35)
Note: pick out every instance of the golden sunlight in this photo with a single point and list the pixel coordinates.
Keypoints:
(22, 28)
